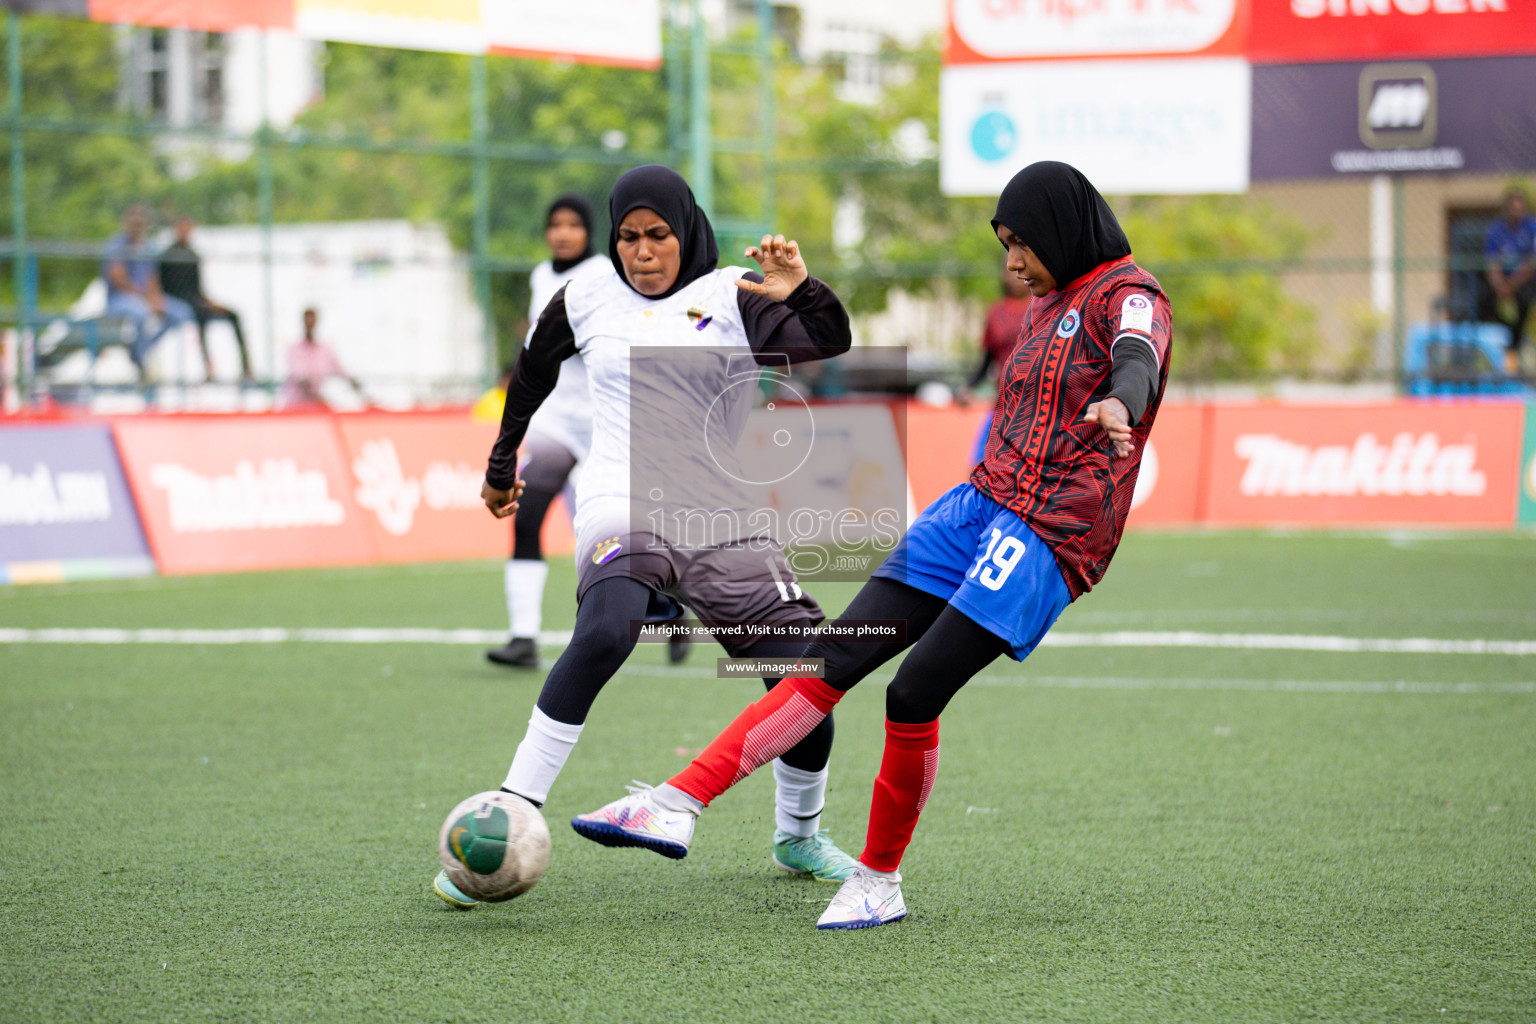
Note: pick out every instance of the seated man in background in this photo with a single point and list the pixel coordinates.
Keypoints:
(1509, 285)
(133, 286)
(181, 277)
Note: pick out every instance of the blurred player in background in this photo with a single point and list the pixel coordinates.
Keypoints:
(559, 436)
(663, 337)
(988, 567)
(1509, 285)
(998, 340)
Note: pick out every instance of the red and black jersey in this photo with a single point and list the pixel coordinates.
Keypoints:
(1058, 473)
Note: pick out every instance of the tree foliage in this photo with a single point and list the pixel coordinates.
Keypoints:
(391, 138)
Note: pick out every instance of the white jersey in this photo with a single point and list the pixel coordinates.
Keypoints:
(566, 415)
(690, 408)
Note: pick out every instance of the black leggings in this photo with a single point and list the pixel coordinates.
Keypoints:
(948, 649)
(528, 523)
(601, 642)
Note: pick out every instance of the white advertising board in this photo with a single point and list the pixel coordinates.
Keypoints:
(1177, 125)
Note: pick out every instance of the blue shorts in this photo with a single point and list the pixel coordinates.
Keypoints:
(987, 563)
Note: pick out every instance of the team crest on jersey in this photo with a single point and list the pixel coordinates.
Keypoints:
(1068, 325)
(699, 316)
(607, 551)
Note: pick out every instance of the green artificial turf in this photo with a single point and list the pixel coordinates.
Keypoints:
(201, 832)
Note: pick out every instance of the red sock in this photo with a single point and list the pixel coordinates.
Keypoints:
(907, 771)
(760, 733)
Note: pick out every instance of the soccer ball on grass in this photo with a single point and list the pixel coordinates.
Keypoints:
(494, 846)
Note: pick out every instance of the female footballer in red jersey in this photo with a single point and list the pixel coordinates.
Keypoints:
(986, 569)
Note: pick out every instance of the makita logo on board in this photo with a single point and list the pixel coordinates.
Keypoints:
(1409, 465)
(276, 495)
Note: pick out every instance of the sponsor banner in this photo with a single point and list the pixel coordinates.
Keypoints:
(1168, 485)
(1141, 126)
(618, 32)
(416, 479)
(1402, 463)
(1287, 31)
(939, 446)
(233, 494)
(994, 30)
(198, 15)
(621, 33)
(624, 33)
(1528, 469)
(940, 442)
(65, 509)
(1320, 120)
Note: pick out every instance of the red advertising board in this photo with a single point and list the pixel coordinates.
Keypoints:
(940, 441)
(1300, 31)
(198, 15)
(1168, 485)
(416, 479)
(1387, 464)
(231, 494)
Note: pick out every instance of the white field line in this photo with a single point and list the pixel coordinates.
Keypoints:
(1024, 680)
(471, 637)
(1291, 642)
(269, 636)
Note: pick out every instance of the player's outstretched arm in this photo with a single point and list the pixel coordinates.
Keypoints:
(783, 269)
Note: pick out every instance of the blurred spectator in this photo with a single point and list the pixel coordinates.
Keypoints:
(1005, 318)
(1004, 330)
(181, 277)
(310, 363)
(1510, 273)
(132, 275)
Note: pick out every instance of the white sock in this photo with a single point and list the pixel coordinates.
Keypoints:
(540, 756)
(525, 595)
(798, 798)
(670, 798)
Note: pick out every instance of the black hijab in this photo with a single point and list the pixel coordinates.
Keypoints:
(581, 208)
(1060, 215)
(664, 191)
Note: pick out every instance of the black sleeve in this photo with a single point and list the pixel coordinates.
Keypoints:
(981, 370)
(1133, 379)
(533, 378)
(810, 324)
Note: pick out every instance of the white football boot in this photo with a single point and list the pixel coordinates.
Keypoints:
(867, 899)
(638, 820)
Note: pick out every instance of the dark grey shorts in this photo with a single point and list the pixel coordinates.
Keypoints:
(732, 585)
(547, 465)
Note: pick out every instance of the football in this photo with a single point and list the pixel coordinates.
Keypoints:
(494, 846)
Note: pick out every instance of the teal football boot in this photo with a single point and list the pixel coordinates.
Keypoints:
(815, 856)
(451, 894)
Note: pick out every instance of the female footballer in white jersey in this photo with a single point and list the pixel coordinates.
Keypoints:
(558, 437)
(664, 340)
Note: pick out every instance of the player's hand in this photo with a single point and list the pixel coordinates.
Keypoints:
(501, 503)
(783, 269)
(1115, 418)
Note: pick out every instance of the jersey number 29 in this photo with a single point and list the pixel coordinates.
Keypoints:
(1003, 553)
